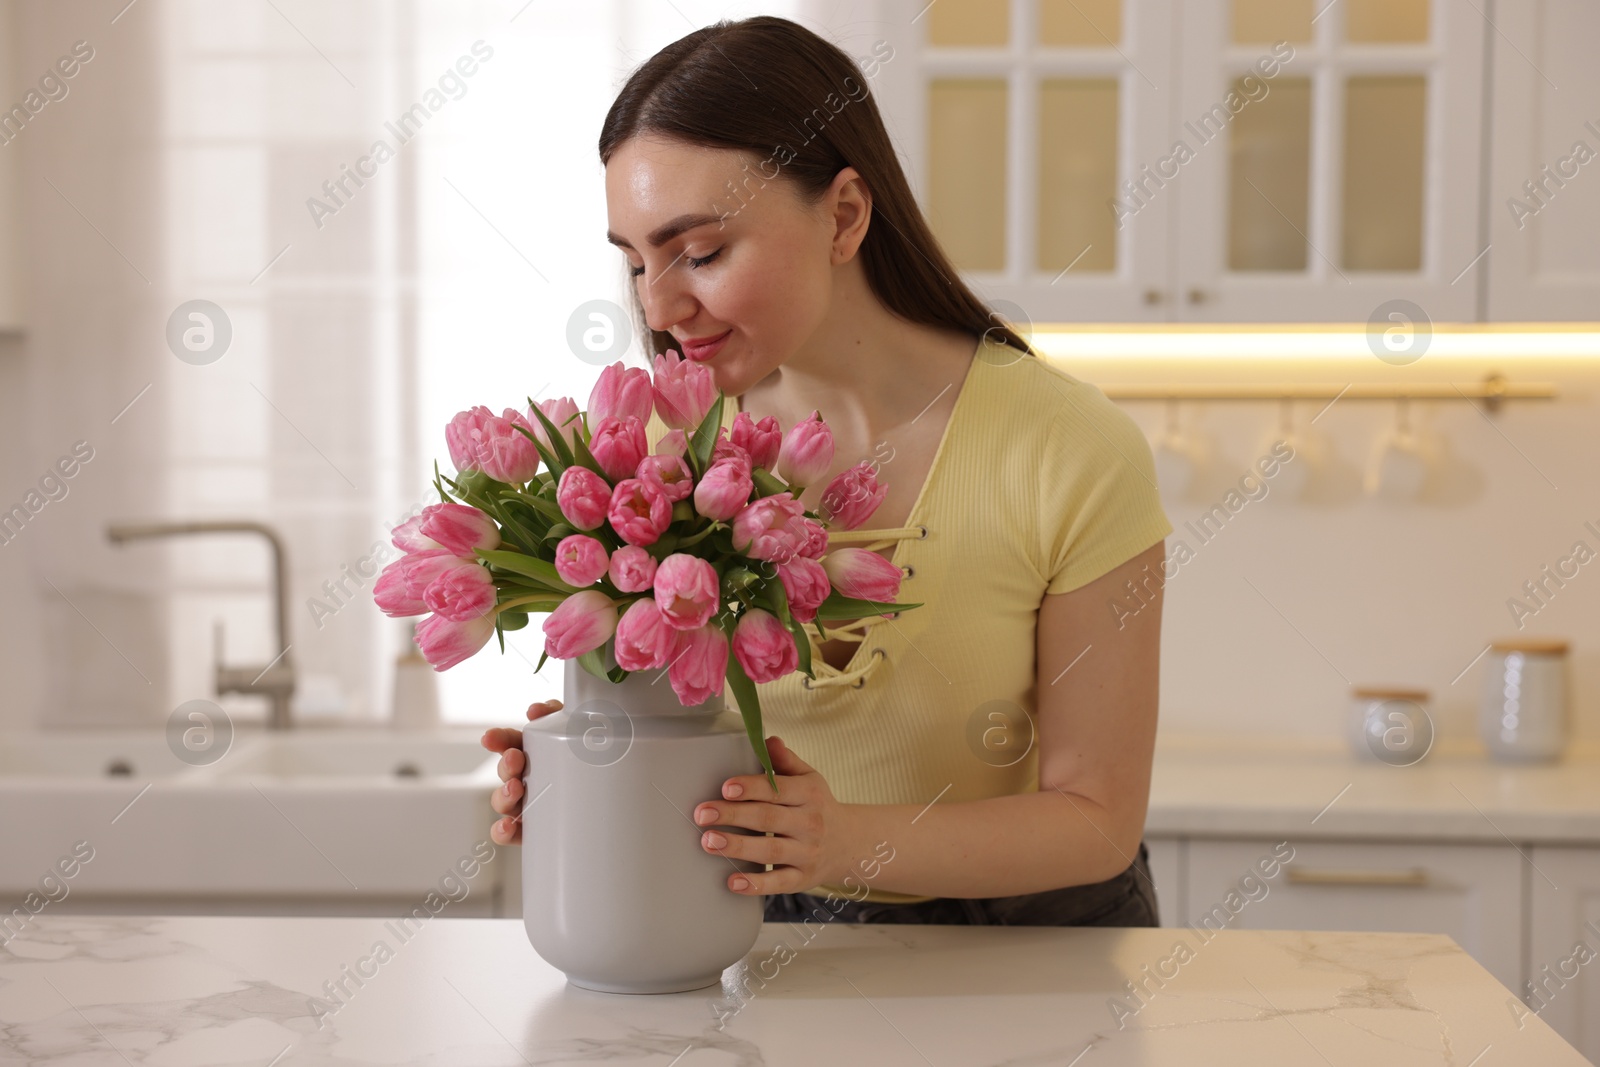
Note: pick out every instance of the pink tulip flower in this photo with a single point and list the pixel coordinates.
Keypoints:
(639, 512)
(806, 585)
(770, 528)
(764, 646)
(644, 640)
(863, 574)
(673, 443)
(852, 496)
(723, 448)
(668, 473)
(620, 392)
(581, 560)
(684, 391)
(584, 497)
(561, 411)
(687, 590)
(699, 669)
(814, 542)
(724, 489)
(618, 445)
(461, 593)
(399, 590)
(460, 529)
(581, 623)
(446, 642)
(408, 536)
(389, 593)
(632, 569)
(762, 440)
(461, 436)
(480, 440)
(807, 451)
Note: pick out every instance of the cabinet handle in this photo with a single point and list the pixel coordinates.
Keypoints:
(1153, 296)
(1197, 296)
(1415, 876)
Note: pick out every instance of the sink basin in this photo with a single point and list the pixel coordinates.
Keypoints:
(346, 756)
(313, 813)
(117, 755)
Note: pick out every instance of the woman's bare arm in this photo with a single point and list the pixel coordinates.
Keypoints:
(1096, 738)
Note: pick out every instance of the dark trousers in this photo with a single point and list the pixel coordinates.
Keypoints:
(1129, 899)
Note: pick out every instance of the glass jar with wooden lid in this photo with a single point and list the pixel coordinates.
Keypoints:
(1390, 724)
(1523, 714)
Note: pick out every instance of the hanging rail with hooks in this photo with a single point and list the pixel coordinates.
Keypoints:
(1491, 390)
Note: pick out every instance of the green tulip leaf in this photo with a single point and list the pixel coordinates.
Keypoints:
(843, 607)
(744, 692)
(591, 662)
(541, 571)
(586, 459)
(705, 437)
(557, 439)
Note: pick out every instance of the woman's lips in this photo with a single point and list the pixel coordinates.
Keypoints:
(701, 351)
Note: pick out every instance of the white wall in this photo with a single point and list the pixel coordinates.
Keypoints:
(1274, 618)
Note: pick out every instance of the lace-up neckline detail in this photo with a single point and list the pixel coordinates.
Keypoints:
(855, 673)
(855, 676)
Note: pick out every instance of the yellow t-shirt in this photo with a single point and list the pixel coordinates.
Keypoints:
(1039, 485)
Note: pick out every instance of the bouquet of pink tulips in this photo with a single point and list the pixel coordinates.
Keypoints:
(673, 557)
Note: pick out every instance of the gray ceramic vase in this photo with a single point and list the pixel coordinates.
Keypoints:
(616, 890)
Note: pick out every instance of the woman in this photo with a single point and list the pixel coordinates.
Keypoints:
(986, 757)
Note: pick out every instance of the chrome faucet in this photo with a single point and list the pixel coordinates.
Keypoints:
(276, 680)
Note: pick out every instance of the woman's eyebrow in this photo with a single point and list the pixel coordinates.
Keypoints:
(667, 231)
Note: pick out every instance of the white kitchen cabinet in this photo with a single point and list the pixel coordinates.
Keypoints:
(1043, 139)
(1564, 944)
(1167, 872)
(1544, 185)
(1473, 893)
(1352, 181)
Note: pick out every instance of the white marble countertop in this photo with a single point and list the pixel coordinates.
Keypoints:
(1217, 788)
(118, 990)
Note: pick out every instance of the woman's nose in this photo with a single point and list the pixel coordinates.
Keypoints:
(664, 301)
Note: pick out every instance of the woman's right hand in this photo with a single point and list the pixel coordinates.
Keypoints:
(507, 800)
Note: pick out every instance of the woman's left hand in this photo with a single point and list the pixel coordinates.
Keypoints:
(814, 831)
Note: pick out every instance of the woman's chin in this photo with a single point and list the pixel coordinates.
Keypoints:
(728, 377)
(734, 372)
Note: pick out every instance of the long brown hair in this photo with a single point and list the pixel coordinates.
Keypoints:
(760, 85)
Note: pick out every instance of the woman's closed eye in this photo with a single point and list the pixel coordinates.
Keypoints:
(695, 264)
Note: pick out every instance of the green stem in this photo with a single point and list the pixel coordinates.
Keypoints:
(696, 538)
(552, 601)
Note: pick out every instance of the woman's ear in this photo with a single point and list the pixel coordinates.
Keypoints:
(850, 210)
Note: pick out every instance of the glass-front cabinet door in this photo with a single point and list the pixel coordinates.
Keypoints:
(1337, 158)
(1214, 160)
(1022, 122)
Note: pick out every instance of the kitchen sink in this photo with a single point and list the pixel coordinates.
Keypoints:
(312, 813)
(111, 754)
(311, 756)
